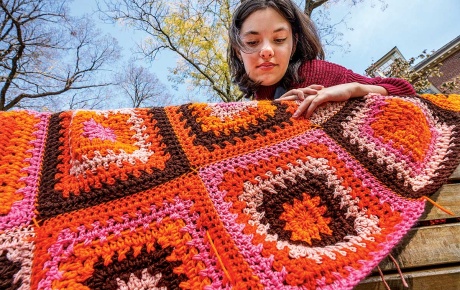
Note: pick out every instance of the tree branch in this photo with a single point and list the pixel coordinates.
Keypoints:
(311, 5)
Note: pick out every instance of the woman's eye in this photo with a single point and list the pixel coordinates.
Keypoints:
(251, 43)
(280, 40)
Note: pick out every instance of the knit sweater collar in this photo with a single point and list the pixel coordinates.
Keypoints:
(265, 92)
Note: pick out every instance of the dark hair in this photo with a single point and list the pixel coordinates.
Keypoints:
(306, 41)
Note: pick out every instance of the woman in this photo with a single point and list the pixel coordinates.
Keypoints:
(274, 48)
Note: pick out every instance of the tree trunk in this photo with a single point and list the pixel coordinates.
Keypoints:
(311, 5)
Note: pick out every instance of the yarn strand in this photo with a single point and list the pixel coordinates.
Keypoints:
(383, 278)
(399, 270)
(438, 205)
(219, 259)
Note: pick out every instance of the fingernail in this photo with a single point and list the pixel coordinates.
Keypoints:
(296, 114)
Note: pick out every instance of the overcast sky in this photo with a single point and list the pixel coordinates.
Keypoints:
(411, 25)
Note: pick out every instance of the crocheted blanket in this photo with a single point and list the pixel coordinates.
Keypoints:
(217, 196)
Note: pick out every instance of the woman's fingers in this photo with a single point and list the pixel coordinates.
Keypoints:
(316, 87)
(310, 104)
(304, 105)
(323, 95)
(311, 90)
(287, 98)
(314, 104)
(300, 93)
(291, 95)
(311, 97)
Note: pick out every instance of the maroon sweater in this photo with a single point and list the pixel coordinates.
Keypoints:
(320, 72)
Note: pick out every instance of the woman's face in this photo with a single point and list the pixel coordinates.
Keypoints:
(268, 38)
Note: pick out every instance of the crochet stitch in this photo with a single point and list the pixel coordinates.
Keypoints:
(217, 196)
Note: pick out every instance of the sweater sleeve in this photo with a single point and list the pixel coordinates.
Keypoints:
(394, 86)
(328, 74)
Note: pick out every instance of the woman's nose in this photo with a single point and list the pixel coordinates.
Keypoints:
(266, 52)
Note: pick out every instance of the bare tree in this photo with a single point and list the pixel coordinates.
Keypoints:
(310, 5)
(44, 52)
(92, 99)
(195, 30)
(329, 29)
(142, 87)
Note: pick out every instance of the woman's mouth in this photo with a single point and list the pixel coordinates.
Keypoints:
(266, 66)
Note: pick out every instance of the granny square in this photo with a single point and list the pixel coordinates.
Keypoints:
(218, 195)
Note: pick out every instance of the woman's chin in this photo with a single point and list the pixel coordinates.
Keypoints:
(267, 83)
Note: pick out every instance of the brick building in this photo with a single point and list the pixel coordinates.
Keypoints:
(448, 55)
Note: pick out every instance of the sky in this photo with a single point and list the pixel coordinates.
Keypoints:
(411, 25)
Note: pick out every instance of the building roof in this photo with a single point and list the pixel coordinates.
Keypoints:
(445, 51)
(386, 59)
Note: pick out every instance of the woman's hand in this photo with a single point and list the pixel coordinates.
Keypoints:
(300, 93)
(312, 100)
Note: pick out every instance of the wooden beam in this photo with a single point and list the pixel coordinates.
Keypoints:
(446, 278)
(456, 175)
(427, 247)
(428, 256)
(448, 197)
